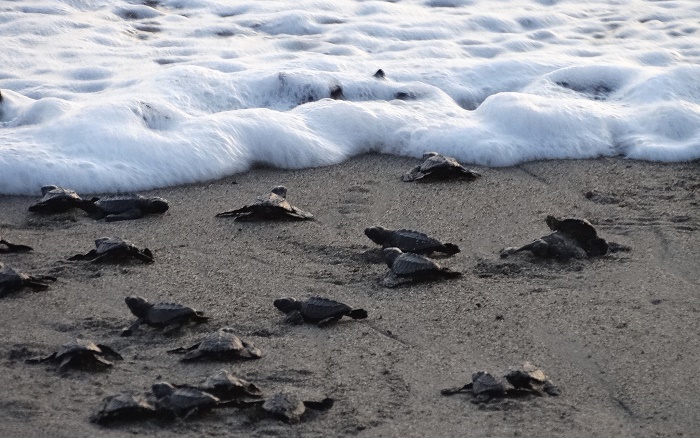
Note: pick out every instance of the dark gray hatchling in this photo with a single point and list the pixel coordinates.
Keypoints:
(228, 387)
(82, 354)
(409, 241)
(316, 310)
(123, 407)
(582, 231)
(182, 402)
(11, 279)
(273, 206)
(289, 408)
(555, 245)
(170, 316)
(125, 207)
(7, 247)
(57, 199)
(222, 345)
(114, 250)
(407, 267)
(439, 167)
(529, 378)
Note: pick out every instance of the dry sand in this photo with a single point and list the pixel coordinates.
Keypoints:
(619, 335)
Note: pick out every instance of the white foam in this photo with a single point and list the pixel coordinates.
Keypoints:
(106, 96)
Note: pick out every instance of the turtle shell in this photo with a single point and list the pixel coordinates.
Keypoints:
(120, 203)
(410, 265)
(123, 406)
(227, 386)
(316, 309)
(485, 383)
(56, 200)
(11, 278)
(223, 344)
(285, 406)
(111, 244)
(579, 229)
(182, 401)
(438, 163)
(169, 313)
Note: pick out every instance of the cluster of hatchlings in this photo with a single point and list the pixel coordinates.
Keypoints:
(405, 253)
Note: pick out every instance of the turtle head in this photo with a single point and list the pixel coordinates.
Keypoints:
(162, 389)
(280, 191)
(430, 154)
(376, 234)
(287, 305)
(390, 255)
(156, 205)
(599, 246)
(552, 222)
(138, 306)
(47, 189)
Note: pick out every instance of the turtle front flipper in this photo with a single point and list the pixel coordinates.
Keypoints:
(328, 321)
(250, 351)
(48, 358)
(134, 213)
(144, 255)
(412, 175)
(301, 215)
(130, 330)
(234, 213)
(193, 356)
(109, 351)
(90, 255)
(180, 350)
(13, 247)
(358, 314)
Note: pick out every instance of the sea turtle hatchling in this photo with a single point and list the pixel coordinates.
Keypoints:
(317, 310)
(289, 408)
(57, 199)
(407, 267)
(439, 167)
(83, 354)
(273, 206)
(582, 231)
(11, 279)
(125, 207)
(182, 402)
(409, 241)
(7, 247)
(222, 344)
(123, 407)
(168, 315)
(114, 250)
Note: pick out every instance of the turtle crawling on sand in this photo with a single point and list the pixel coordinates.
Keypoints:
(12, 279)
(123, 406)
(125, 207)
(222, 344)
(169, 315)
(524, 380)
(115, 250)
(13, 247)
(227, 386)
(405, 267)
(439, 167)
(317, 310)
(273, 206)
(57, 199)
(83, 354)
(289, 408)
(572, 239)
(409, 241)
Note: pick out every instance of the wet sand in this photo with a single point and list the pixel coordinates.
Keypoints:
(617, 334)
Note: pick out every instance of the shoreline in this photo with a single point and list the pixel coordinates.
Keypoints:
(610, 332)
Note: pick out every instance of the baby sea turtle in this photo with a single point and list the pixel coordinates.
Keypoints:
(125, 207)
(408, 267)
(168, 315)
(124, 406)
(13, 247)
(115, 250)
(83, 354)
(273, 207)
(226, 386)
(439, 167)
(317, 310)
(182, 402)
(58, 200)
(516, 382)
(222, 344)
(12, 279)
(288, 407)
(409, 241)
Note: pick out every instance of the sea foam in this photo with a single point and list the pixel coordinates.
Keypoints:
(113, 96)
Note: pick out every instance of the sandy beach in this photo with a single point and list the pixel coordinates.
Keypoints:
(617, 334)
